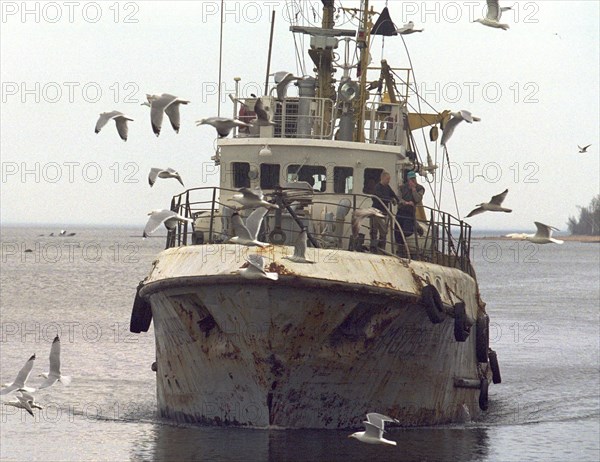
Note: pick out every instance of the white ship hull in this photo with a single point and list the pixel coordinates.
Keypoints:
(318, 348)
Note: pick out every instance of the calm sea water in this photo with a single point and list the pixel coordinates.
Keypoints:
(543, 302)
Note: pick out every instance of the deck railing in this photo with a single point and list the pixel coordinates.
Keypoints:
(293, 117)
(438, 237)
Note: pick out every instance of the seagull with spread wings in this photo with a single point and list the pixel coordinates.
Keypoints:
(164, 104)
(21, 378)
(24, 401)
(408, 28)
(54, 375)
(166, 217)
(250, 199)
(374, 428)
(120, 120)
(247, 234)
(583, 149)
(156, 173)
(543, 235)
(457, 117)
(495, 205)
(223, 125)
(493, 15)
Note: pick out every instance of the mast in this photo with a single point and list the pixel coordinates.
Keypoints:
(323, 59)
(362, 41)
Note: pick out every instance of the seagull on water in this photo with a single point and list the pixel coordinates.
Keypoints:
(360, 214)
(163, 173)
(542, 236)
(22, 377)
(223, 125)
(492, 206)
(300, 249)
(262, 116)
(255, 269)
(25, 401)
(119, 118)
(164, 104)
(408, 28)
(493, 15)
(457, 117)
(373, 433)
(247, 234)
(583, 149)
(166, 217)
(251, 199)
(54, 375)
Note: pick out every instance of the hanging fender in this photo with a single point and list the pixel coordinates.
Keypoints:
(431, 300)
(461, 325)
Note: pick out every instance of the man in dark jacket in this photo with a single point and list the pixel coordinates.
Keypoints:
(411, 195)
(379, 226)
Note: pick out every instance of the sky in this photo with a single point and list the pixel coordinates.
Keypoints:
(534, 86)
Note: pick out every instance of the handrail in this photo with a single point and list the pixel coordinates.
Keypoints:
(445, 239)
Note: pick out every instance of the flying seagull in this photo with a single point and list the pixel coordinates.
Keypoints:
(360, 214)
(408, 28)
(54, 375)
(25, 401)
(255, 269)
(22, 376)
(583, 149)
(247, 234)
(166, 217)
(262, 116)
(164, 104)
(163, 173)
(542, 236)
(493, 15)
(492, 206)
(251, 199)
(119, 118)
(300, 249)
(282, 84)
(223, 125)
(373, 433)
(457, 117)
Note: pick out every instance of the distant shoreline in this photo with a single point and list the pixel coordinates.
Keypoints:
(587, 239)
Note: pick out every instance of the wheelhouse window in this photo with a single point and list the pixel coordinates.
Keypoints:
(240, 171)
(343, 179)
(370, 180)
(314, 175)
(269, 176)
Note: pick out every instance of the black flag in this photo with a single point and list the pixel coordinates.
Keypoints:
(384, 24)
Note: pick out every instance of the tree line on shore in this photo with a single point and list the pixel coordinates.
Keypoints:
(588, 223)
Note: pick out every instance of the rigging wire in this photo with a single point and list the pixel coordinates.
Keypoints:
(445, 149)
(299, 57)
(452, 182)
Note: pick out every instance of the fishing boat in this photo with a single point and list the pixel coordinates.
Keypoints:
(353, 325)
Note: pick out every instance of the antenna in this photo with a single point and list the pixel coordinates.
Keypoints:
(220, 59)
(270, 49)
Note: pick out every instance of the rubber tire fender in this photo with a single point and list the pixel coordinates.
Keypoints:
(461, 327)
(431, 300)
(495, 367)
(483, 394)
(141, 314)
(482, 337)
